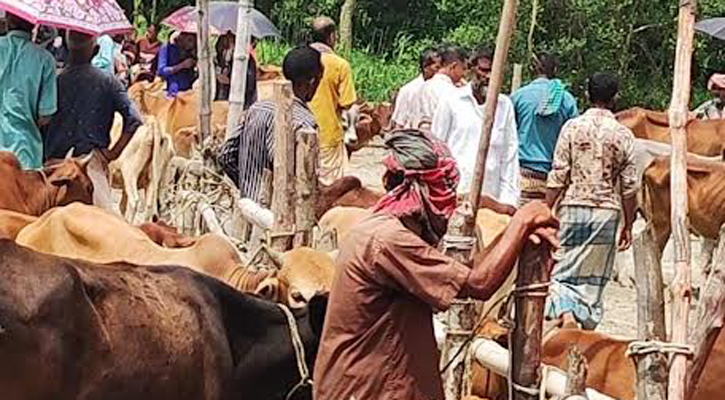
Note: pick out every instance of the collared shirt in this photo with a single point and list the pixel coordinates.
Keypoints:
(106, 56)
(256, 142)
(88, 98)
(27, 93)
(458, 123)
(712, 109)
(170, 56)
(435, 89)
(378, 340)
(405, 102)
(335, 93)
(538, 134)
(595, 153)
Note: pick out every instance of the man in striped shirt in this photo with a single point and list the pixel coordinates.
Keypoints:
(303, 67)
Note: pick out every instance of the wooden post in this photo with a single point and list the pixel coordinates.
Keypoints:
(462, 314)
(710, 319)
(534, 272)
(240, 64)
(205, 68)
(307, 155)
(503, 42)
(283, 198)
(518, 77)
(651, 368)
(576, 373)
(678, 114)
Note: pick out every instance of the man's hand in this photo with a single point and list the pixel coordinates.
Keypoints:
(189, 63)
(539, 223)
(625, 238)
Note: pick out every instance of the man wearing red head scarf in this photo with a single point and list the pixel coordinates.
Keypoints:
(378, 341)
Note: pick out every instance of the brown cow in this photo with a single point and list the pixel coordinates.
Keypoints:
(76, 330)
(60, 182)
(706, 138)
(345, 192)
(11, 223)
(706, 197)
(373, 120)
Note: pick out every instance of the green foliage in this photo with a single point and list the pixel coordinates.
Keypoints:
(634, 38)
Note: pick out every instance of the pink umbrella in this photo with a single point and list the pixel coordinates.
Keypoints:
(94, 17)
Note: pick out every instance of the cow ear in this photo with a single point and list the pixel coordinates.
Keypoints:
(316, 309)
(59, 181)
(269, 289)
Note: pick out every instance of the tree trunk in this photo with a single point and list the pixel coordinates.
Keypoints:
(678, 118)
(651, 368)
(348, 9)
(240, 64)
(283, 198)
(534, 271)
(205, 68)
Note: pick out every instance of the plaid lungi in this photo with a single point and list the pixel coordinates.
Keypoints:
(533, 186)
(584, 263)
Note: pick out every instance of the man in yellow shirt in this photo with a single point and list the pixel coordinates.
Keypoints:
(335, 95)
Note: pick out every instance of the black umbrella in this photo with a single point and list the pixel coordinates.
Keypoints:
(714, 27)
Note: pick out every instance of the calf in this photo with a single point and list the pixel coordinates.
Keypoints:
(60, 182)
(76, 330)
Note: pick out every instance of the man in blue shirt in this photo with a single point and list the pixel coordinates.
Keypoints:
(176, 64)
(542, 108)
(88, 98)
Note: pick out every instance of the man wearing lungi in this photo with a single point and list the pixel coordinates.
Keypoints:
(594, 176)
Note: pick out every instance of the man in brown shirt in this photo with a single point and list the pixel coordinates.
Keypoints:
(378, 341)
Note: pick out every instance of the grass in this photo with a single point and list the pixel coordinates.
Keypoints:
(376, 77)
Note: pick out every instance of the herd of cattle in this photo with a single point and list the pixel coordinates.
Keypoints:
(93, 307)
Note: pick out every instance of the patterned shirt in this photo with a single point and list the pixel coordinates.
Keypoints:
(256, 142)
(595, 153)
(713, 109)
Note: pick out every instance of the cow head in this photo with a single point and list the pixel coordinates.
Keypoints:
(350, 119)
(70, 179)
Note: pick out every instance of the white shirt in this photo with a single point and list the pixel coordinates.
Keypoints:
(458, 122)
(434, 90)
(405, 102)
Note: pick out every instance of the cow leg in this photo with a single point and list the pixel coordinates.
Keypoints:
(130, 187)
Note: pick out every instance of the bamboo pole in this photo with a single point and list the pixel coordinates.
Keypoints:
(503, 42)
(710, 319)
(283, 198)
(306, 172)
(518, 77)
(462, 314)
(205, 68)
(678, 114)
(534, 271)
(240, 64)
(652, 367)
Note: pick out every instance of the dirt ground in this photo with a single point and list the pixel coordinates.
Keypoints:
(620, 300)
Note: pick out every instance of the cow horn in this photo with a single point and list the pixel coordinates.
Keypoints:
(83, 162)
(69, 154)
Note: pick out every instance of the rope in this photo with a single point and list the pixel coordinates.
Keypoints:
(462, 243)
(642, 348)
(305, 377)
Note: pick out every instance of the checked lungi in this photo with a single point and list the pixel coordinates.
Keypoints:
(584, 263)
(533, 186)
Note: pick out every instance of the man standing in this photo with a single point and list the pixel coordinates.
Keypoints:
(335, 95)
(443, 85)
(458, 123)
(378, 340)
(176, 64)
(88, 99)
(542, 108)
(303, 67)
(27, 93)
(430, 63)
(594, 174)
(149, 45)
(715, 108)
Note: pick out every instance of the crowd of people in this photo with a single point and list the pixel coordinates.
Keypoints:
(378, 338)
